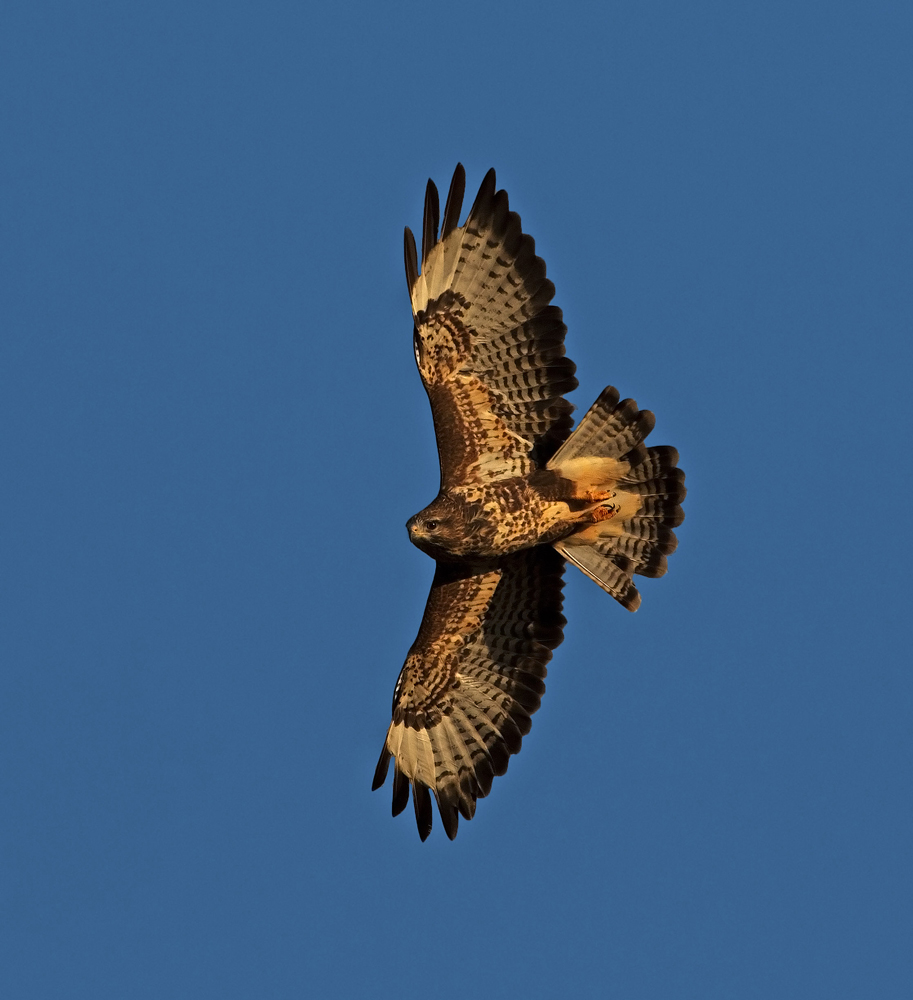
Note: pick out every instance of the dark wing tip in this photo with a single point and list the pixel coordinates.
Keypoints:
(607, 399)
(430, 220)
(481, 207)
(450, 817)
(421, 797)
(411, 259)
(400, 791)
(454, 201)
(380, 772)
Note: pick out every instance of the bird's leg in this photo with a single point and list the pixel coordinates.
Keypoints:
(605, 509)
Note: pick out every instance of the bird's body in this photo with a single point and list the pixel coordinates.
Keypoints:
(494, 519)
(519, 495)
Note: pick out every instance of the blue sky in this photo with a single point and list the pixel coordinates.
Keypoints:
(213, 433)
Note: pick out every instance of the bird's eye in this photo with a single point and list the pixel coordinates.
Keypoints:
(431, 525)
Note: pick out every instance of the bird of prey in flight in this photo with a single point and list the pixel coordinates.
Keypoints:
(520, 495)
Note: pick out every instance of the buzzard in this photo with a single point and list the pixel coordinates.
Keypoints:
(520, 495)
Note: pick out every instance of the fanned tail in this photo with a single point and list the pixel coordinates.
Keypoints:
(635, 491)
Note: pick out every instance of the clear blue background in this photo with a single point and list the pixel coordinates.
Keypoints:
(213, 433)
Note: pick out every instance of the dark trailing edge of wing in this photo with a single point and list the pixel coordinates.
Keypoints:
(533, 406)
(523, 624)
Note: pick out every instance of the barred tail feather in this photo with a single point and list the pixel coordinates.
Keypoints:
(606, 455)
(609, 429)
(613, 575)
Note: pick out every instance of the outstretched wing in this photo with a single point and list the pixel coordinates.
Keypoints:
(489, 347)
(472, 679)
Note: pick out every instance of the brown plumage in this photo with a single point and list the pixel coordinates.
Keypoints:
(519, 495)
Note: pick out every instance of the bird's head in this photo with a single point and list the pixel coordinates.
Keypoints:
(439, 528)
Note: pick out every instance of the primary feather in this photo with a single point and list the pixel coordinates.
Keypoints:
(519, 495)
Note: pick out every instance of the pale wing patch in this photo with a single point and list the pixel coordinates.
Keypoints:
(471, 681)
(489, 346)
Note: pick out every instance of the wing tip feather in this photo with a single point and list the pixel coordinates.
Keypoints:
(411, 257)
(400, 790)
(482, 205)
(421, 798)
(380, 772)
(430, 220)
(454, 201)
